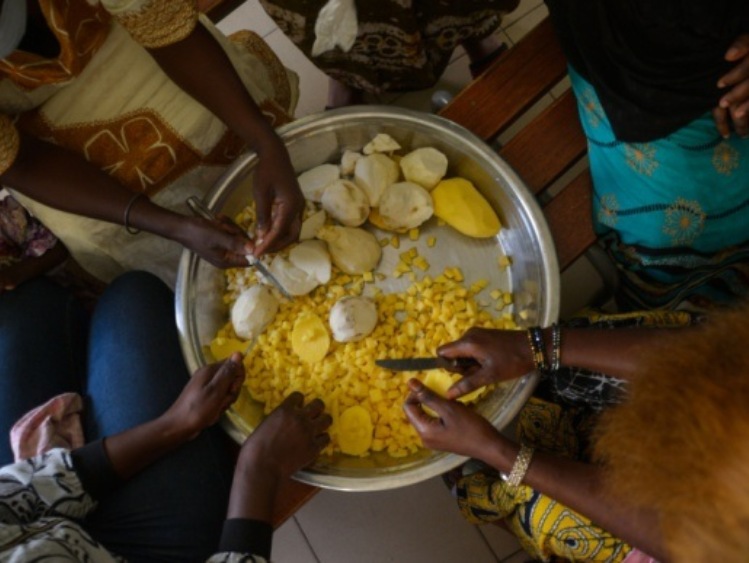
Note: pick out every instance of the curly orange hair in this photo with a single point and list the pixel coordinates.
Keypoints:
(680, 442)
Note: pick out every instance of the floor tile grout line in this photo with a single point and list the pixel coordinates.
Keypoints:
(306, 539)
(513, 555)
(488, 545)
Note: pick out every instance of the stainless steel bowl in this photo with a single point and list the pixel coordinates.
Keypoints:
(533, 277)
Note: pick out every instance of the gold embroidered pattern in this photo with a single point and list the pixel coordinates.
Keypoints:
(608, 209)
(161, 22)
(9, 143)
(725, 159)
(139, 149)
(641, 158)
(684, 221)
(80, 29)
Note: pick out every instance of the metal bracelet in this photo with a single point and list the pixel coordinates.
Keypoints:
(556, 347)
(520, 467)
(126, 216)
(538, 348)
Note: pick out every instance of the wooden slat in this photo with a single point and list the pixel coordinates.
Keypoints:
(218, 9)
(570, 220)
(292, 496)
(548, 146)
(516, 80)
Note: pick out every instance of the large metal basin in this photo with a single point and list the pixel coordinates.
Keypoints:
(533, 276)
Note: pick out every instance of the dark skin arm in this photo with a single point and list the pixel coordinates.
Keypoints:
(68, 182)
(290, 438)
(15, 274)
(278, 198)
(505, 354)
(205, 397)
(577, 485)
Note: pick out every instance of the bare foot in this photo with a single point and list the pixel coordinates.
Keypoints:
(340, 95)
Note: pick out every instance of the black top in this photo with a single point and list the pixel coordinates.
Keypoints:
(654, 64)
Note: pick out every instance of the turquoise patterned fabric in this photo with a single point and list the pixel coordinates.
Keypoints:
(674, 213)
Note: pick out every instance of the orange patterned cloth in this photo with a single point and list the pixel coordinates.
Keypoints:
(105, 98)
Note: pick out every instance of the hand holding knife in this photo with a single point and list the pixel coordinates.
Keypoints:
(201, 210)
(458, 365)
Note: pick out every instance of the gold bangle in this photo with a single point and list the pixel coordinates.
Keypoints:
(126, 216)
(520, 467)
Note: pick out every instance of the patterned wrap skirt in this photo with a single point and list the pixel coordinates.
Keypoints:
(672, 213)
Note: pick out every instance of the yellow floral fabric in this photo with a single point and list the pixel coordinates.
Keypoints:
(544, 527)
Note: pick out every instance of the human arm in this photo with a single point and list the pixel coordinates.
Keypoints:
(501, 355)
(198, 64)
(65, 180)
(733, 106)
(287, 440)
(579, 486)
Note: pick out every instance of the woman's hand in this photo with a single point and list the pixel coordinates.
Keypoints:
(290, 438)
(499, 355)
(733, 107)
(221, 242)
(459, 429)
(279, 202)
(210, 391)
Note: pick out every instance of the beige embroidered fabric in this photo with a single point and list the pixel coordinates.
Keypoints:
(117, 108)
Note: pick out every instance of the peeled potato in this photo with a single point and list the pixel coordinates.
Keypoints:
(355, 431)
(440, 381)
(309, 338)
(459, 204)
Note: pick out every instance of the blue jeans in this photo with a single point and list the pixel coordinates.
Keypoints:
(129, 368)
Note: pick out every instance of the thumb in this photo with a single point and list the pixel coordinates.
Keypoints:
(429, 398)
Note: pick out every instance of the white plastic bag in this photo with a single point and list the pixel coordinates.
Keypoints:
(336, 25)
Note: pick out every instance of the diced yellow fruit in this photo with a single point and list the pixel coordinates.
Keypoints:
(504, 261)
(355, 431)
(461, 205)
(395, 242)
(368, 277)
(221, 348)
(413, 234)
(309, 338)
(439, 381)
(431, 241)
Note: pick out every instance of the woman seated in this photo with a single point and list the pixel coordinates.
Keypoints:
(114, 113)
(157, 480)
(663, 470)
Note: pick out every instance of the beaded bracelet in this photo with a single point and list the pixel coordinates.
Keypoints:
(126, 217)
(556, 347)
(520, 467)
(538, 348)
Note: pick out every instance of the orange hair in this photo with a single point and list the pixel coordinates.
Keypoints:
(680, 442)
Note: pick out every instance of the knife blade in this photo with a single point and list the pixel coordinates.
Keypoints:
(423, 364)
(200, 209)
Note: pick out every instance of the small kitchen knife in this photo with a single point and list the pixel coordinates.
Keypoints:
(422, 364)
(200, 209)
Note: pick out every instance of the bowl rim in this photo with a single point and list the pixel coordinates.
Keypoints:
(519, 392)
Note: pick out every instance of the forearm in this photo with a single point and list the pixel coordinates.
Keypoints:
(64, 180)
(613, 352)
(132, 450)
(230, 101)
(581, 487)
(253, 491)
(34, 266)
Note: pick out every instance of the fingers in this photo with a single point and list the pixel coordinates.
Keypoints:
(314, 408)
(720, 116)
(294, 400)
(284, 230)
(229, 377)
(738, 49)
(467, 384)
(421, 394)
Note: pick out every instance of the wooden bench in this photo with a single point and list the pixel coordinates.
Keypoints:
(545, 148)
(218, 9)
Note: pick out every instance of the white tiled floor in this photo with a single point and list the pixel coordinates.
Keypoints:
(420, 523)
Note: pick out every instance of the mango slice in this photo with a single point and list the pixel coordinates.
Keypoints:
(221, 348)
(309, 338)
(459, 204)
(355, 431)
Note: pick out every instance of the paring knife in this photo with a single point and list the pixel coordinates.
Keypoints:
(423, 364)
(200, 209)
